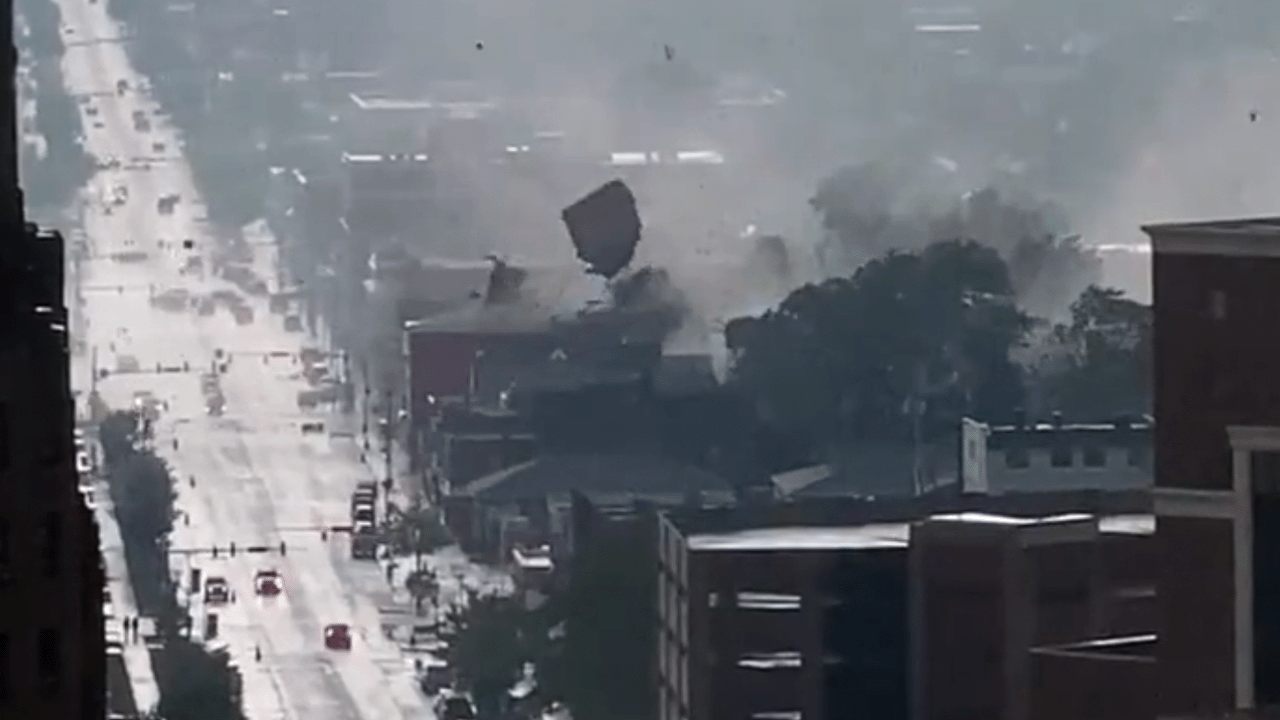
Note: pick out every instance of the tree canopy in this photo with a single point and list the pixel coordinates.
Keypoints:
(937, 331)
(141, 489)
(848, 355)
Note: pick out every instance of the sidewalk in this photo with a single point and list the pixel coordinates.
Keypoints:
(137, 659)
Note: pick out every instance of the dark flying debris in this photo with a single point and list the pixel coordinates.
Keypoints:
(1253, 116)
(669, 52)
(505, 282)
(605, 228)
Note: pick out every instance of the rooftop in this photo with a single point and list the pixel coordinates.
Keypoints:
(857, 537)
(1121, 433)
(369, 102)
(595, 473)
(1244, 237)
(895, 534)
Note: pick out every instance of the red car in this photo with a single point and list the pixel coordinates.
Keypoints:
(337, 637)
(267, 583)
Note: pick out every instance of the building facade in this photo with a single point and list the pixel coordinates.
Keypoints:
(1055, 456)
(52, 643)
(1217, 495)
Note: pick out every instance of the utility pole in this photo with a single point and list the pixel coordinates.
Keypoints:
(364, 408)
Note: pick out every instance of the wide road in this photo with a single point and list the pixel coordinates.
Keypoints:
(258, 480)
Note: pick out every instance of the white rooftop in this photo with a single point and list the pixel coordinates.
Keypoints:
(883, 535)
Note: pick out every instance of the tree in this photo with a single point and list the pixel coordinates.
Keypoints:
(141, 489)
(849, 357)
(1100, 365)
(118, 435)
(489, 645)
(195, 684)
(610, 616)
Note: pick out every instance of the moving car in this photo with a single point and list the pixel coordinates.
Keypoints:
(337, 636)
(216, 591)
(313, 427)
(267, 583)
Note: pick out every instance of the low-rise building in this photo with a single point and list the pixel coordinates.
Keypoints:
(1056, 456)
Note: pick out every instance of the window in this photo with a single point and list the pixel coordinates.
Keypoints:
(52, 544)
(1061, 456)
(1017, 458)
(1094, 456)
(49, 661)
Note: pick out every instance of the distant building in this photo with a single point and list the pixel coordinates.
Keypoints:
(1055, 456)
(530, 503)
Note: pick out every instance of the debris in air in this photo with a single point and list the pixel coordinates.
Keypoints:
(605, 228)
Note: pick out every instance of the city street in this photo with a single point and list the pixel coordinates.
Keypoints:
(258, 481)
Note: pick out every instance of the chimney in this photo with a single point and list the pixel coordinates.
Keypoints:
(1057, 419)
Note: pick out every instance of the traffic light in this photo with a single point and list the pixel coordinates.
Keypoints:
(215, 551)
(233, 549)
(282, 548)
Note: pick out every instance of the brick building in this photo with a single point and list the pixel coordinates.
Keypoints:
(910, 611)
(1217, 496)
(985, 590)
(782, 622)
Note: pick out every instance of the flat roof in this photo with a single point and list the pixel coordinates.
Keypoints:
(981, 518)
(1128, 524)
(1243, 237)
(874, 536)
(386, 103)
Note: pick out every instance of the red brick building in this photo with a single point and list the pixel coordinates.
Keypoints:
(1216, 288)
(987, 589)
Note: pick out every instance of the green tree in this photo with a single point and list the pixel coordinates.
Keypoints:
(609, 646)
(118, 435)
(1100, 364)
(194, 683)
(142, 492)
(489, 645)
(848, 357)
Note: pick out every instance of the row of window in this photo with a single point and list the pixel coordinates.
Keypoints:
(50, 546)
(1064, 456)
(48, 664)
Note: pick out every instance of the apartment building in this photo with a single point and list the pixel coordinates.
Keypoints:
(52, 654)
(1217, 481)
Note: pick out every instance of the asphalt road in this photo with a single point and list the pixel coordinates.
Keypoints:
(258, 481)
